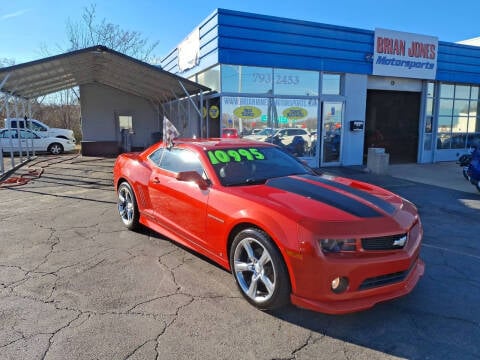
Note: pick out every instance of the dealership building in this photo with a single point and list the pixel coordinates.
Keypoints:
(353, 89)
(341, 91)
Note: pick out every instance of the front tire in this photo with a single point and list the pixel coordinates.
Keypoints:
(55, 149)
(127, 206)
(259, 270)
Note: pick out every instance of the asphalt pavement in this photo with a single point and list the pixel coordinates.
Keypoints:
(75, 284)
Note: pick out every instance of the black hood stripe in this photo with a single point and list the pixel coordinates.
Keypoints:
(329, 197)
(382, 204)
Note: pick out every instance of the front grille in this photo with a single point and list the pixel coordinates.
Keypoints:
(392, 242)
(383, 280)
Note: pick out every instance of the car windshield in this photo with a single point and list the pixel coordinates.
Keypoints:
(253, 165)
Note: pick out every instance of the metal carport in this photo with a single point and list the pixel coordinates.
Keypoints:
(94, 65)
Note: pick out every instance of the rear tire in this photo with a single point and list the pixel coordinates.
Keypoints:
(259, 270)
(127, 206)
(477, 185)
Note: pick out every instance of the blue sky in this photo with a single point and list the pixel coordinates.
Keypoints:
(27, 25)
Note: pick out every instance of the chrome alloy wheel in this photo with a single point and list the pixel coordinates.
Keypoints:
(254, 270)
(55, 149)
(126, 205)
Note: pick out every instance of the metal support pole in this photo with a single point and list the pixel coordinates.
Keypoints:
(190, 98)
(12, 158)
(5, 79)
(201, 116)
(19, 132)
(29, 108)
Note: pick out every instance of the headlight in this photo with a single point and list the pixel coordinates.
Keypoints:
(335, 246)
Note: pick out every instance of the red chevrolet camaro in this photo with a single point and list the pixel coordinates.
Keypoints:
(287, 233)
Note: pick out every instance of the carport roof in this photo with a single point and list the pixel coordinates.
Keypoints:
(97, 64)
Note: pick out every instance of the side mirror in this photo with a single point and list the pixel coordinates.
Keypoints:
(193, 176)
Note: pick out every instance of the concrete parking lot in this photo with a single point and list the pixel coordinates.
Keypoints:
(75, 284)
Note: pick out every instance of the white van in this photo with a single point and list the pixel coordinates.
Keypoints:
(39, 128)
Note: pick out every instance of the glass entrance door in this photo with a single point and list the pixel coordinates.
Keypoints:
(332, 128)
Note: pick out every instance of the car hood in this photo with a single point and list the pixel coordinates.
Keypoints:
(315, 199)
(62, 131)
(256, 137)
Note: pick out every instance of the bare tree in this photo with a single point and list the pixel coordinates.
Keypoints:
(62, 109)
(90, 32)
(4, 62)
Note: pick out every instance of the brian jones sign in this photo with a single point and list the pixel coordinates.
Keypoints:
(406, 55)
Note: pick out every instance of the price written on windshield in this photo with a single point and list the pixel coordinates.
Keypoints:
(226, 156)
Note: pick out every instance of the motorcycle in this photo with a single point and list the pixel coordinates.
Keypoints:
(473, 169)
(464, 162)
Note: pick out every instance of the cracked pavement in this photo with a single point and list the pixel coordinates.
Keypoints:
(75, 284)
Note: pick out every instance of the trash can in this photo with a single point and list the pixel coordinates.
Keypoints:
(378, 160)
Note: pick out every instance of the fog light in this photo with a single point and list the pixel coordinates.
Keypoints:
(339, 285)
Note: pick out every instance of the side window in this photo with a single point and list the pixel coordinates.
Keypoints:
(38, 127)
(177, 160)
(13, 124)
(7, 134)
(156, 156)
(27, 135)
(125, 122)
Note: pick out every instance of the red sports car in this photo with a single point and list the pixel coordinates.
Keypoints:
(286, 233)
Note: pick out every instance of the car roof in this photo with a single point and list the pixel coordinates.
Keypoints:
(215, 143)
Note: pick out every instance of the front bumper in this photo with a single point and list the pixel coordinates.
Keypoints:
(367, 298)
(373, 276)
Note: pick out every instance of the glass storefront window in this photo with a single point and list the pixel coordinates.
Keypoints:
(295, 82)
(331, 84)
(332, 131)
(429, 108)
(430, 89)
(292, 120)
(244, 113)
(462, 92)
(210, 78)
(474, 92)
(443, 141)
(230, 75)
(460, 107)
(247, 79)
(458, 123)
(446, 91)
(446, 107)
(428, 126)
(444, 123)
(256, 80)
(458, 141)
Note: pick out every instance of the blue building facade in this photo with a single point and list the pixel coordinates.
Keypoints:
(349, 89)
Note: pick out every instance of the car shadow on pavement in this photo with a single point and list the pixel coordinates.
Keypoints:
(440, 318)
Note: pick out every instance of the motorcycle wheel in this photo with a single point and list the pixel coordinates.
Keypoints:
(464, 159)
(477, 185)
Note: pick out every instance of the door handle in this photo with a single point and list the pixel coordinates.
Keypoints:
(156, 180)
